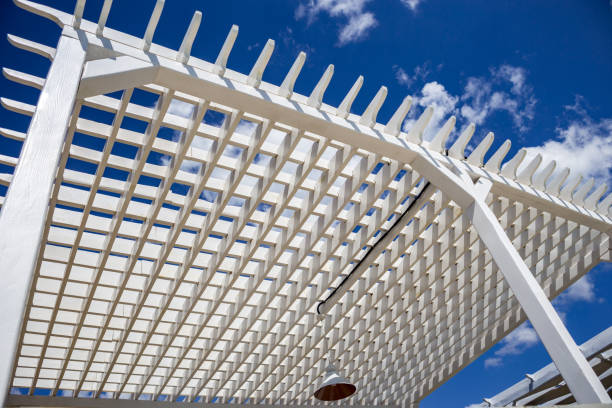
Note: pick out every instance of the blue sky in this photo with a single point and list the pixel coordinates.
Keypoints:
(537, 73)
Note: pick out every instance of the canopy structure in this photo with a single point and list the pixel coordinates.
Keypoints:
(197, 235)
(546, 386)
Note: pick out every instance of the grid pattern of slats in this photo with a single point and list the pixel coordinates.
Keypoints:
(188, 264)
(187, 245)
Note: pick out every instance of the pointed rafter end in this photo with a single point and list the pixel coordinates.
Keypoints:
(316, 97)
(254, 78)
(190, 35)
(415, 134)
(368, 118)
(31, 46)
(286, 88)
(226, 48)
(58, 17)
(345, 106)
(457, 150)
(438, 143)
(147, 40)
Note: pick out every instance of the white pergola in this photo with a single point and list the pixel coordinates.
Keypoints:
(231, 263)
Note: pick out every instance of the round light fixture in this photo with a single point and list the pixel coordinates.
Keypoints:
(334, 387)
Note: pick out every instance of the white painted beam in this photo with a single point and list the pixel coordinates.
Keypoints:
(23, 214)
(113, 74)
(566, 355)
(51, 402)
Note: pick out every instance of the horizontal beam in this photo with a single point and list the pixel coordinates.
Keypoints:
(233, 91)
(40, 401)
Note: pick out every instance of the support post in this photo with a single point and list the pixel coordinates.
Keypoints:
(24, 212)
(571, 363)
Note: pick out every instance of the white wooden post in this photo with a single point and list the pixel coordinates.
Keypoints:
(24, 212)
(571, 363)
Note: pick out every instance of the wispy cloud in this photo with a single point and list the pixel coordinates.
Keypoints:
(522, 338)
(357, 22)
(411, 4)
(419, 73)
(357, 28)
(582, 144)
(505, 89)
(582, 290)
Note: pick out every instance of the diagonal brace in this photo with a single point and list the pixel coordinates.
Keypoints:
(571, 363)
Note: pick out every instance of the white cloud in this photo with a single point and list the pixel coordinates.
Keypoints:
(504, 90)
(583, 144)
(435, 95)
(181, 108)
(515, 343)
(493, 362)
(357, 28)
(474, 406)
(582, 290)
(402, 77)
(518, 340)
(358, 23)
(420, 72)
(412, 4)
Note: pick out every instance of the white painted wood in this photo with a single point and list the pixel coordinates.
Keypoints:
(554, 184)
(593, 199)
(237, 320)
(344, 109)
(510, 167)
(574, 368)
(40, 49)
(261, 63)
(570, 187)
(494, 163)
(394, 126)
(286, 88)
(525, 176)
(316, 96)
(477, 156)
(20, 400)
(457, 150)
(104, 16)
(415, 134)
(152, 25)
(78, 13)
(356, 273)
(28, 195)
(228, 44)
(368, 118)
(190, 35)
(112, 74)
(438, 143)
(539, 180)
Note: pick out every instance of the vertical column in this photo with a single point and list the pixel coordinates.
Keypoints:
(571, 363)
(24, 212)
